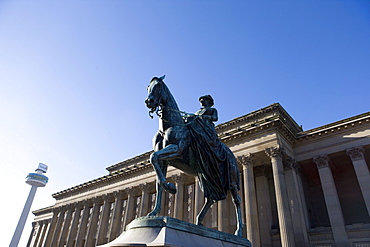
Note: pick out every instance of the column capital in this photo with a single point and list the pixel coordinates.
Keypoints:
(179, 178)
(107, 197)
(131, 191)
(119, 194)
(356, 153)
(56, 210)
(322, 161)
(246, 160)
(145, 188)
(290, 164)
(97, 200)
(88, 203)
(77, 205)
(275, 152)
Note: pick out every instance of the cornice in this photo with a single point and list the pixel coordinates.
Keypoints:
(255, 118)
(345, 124)
(113, 176)
(143, 158)
(43, 211)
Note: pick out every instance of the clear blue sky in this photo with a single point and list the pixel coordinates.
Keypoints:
(73, 76)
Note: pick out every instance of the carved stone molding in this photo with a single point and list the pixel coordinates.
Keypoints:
(275, 152)
(179, 178)
(356, 153)
(322, 161)
(246, 160)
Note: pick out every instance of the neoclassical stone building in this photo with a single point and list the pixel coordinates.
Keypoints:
(299, 188)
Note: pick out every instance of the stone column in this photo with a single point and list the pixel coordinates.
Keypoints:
(53, 223)
(291, 170)
(41, 240)
(362, 172)
(130, 209)
(36, 236)
(116, 215)
(81, 234)
(76, 218)
(104, 219)
(252, 225)
(179, 196)
(58, 226)
(282, 201)
(144, 206)
(91, 232)
(67, 223)
(198, 199)
(35, 231)
(263, 205)
(332, 201)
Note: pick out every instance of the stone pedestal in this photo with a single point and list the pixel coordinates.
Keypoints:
(169, 232)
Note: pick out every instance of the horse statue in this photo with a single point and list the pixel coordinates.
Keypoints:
(177, 143)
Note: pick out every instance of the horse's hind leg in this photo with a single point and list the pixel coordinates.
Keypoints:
(208, 203)
(236, 201)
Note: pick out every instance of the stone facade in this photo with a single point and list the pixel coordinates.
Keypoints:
(299, 188)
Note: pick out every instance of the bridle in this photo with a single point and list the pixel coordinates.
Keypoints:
(159, 109)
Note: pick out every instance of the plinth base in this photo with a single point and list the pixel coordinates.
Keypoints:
(164, 231)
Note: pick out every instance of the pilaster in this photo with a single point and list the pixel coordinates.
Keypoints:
(81, 234)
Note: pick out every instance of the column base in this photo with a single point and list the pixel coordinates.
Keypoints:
(162, 231)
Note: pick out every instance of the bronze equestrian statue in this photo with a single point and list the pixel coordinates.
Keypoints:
(190, 143)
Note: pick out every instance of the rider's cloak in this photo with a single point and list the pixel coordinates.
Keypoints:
(213, 159)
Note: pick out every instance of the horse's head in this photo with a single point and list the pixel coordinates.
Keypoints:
(155, 91)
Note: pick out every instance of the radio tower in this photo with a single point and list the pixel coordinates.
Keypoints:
(35, 180)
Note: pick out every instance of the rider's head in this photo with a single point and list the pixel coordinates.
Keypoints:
(208, 98)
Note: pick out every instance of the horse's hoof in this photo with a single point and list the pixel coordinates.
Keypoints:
(238, 233)
(170, 188)
(199, 224)
(152, 214)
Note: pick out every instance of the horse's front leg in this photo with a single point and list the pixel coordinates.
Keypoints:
(158, 201)
(169, 152)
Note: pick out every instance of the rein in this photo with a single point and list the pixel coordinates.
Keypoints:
(185, 115)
